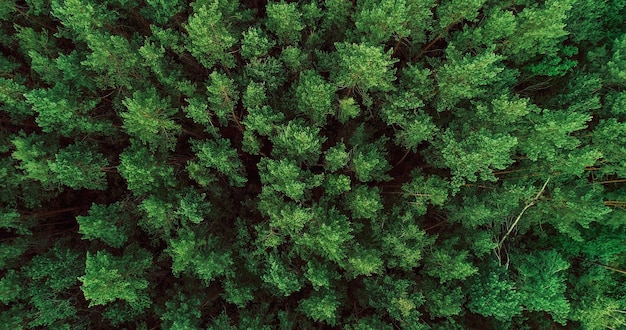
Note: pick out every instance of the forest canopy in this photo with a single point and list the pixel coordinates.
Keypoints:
(389, 164)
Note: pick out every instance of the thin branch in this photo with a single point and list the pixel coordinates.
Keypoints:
(612, 181)
(519, 217)
(403, 157)
(621, 271)
(615, 203)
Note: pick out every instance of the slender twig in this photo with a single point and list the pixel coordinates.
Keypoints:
(612, 181)
(519, 217)
(621, 271)
(403, 157)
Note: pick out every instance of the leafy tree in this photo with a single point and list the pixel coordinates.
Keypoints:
(148, 120)
(329, 236)
(108, 223)
(209, 39)
(298, 142)
(465, 77)
(143, 171)
(363, 68)
(222, 97)
(495, 296)
(283, 176)
(321, 306)
(202, 258)
(542, 286)
(109, 278)
(539, 30)
(280, 277)
(112, 57)
(31, 151)
(479, 153)
(58, 110)
(378, 21)
(219, 155)
(397, 298)
(315, 96)
(255, 43)
(448, 264)
(182, 312)
(368, 160)
(364, 202)
(79, 166)
(285, 20)
(385, 164)
(402, 240)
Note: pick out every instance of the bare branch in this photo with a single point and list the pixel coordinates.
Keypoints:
(519, 217)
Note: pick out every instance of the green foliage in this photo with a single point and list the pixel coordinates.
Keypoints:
(201, 258)
(552, 132)
(448, 264)
(320, 275)
(329, 236)
(10, 287)
(159, 214)
(58, 268)
(402, 240)
(283, 176)
(423, 192)
(222, 97)
(477, 155)
(315, 96)
(109, 223)
(182, 312)
(365, 164)
(336, 157)
(368, 160)
(444, 300)
(337, 184)
(298, 142)
(12, 250)
(378, 21)
(109, 278)
(267, 70)
(217, 155)
(161, 11)
(262, 120)
(364, 262)
(364, 202)
(237, 294)
(542, 284)
(79, 166)
(11, 220)
(31, 151)
(284, 20)
(451, 12)
(209, 39)
(539, 30)
(493, 295)
(148, 119)
(466, 77)
(143, 171)
(396, 297)
(364, 68)
(321, 306)
(283, 280)
(348, 109)
(112, 57)
(58, 110)
(255, 43)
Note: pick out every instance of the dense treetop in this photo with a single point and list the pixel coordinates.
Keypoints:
(392, 164)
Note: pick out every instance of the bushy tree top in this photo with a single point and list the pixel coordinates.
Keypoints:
(390, 164)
